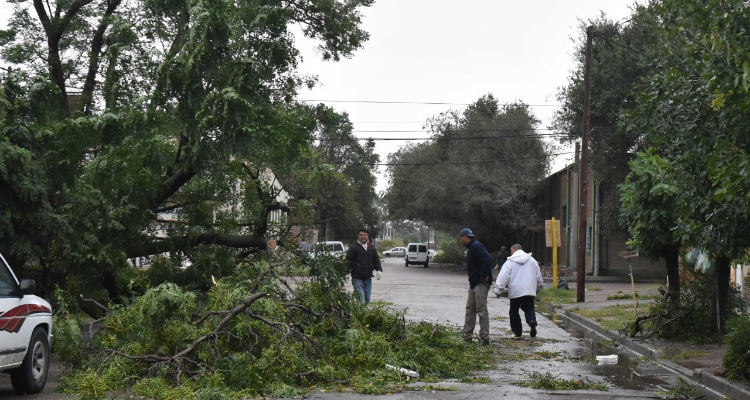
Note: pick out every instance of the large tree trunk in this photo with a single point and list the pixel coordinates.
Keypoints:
(672, 263)
(722, 293)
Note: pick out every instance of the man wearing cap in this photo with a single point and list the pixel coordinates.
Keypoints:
(479, 267)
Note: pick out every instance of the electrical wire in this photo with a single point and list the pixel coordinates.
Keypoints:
(459, 138)
(441, 163)
(441, 103)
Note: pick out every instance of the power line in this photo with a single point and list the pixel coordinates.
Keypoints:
(440, 103)
(436, 163)
(388, 122)
(450, 131)
(463, 137)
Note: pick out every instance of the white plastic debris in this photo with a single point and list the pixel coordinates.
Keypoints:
(403, 371)
(607, 360)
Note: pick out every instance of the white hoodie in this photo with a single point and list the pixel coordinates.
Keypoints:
(521, 274)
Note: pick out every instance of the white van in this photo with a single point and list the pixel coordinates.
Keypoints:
(416, 253)
(25, 332)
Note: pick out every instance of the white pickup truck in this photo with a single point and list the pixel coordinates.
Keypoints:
(25, 332)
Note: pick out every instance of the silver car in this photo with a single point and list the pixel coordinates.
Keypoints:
(395, 252)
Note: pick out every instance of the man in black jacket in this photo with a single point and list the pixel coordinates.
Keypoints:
(363, 260)
(479, 267)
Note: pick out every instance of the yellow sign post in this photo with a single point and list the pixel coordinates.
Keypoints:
(552, 236)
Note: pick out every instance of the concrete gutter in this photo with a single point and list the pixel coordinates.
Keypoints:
(708, 382)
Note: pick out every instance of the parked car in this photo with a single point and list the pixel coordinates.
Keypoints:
(330, 248)
(416, 253)
(395, 252)
(25, 332)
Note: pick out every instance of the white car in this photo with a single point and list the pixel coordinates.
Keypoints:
(330, 248)
(416, 253)
(395, 252)
(25, 332)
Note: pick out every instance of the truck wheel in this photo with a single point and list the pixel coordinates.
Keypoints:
(31, 376)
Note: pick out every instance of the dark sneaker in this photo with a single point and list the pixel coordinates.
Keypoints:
(467, 339)
(532, 324)
(485, 342)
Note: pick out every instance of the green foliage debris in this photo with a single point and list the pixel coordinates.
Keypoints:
(683, 390)
(549, 382)
(737, 360)
(690, 317)
(259, 334)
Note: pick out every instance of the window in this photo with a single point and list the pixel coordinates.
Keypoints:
(7, 283)
(422, 248)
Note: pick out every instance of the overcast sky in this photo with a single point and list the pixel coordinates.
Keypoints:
(453, 52)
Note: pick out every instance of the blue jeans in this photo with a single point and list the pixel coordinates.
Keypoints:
(525, 303)
(363, 287)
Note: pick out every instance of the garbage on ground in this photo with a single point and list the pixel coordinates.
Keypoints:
(607, 360)
(403, 371)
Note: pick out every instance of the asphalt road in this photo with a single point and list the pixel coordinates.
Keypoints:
(438, 294)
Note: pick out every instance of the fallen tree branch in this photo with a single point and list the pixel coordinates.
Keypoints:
(182, 355)
(303, 308)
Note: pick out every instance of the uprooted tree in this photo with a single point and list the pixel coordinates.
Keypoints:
(116, 114)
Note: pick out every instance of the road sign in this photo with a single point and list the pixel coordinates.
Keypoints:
(548, 229)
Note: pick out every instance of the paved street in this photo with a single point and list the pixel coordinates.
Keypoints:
(438, 294)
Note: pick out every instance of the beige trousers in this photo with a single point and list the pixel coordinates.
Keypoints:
(476, 305)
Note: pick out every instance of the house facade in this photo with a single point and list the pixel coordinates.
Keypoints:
(557, 196)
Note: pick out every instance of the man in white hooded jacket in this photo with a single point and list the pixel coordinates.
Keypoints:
(522, 276)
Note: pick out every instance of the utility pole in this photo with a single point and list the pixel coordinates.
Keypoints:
(583, 170)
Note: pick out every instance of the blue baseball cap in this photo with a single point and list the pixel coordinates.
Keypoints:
(467, 232)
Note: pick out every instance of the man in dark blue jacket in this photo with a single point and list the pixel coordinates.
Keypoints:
(479, 266)
(363, 260)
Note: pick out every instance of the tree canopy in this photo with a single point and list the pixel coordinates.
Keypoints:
(114, 113)
(693, 111)
(477, 171)
(338, 176)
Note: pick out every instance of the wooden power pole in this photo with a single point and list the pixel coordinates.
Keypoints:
(582, 175)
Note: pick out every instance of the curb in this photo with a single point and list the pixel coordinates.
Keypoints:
(717, 385)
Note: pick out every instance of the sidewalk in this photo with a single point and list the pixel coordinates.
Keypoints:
(701, 364)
